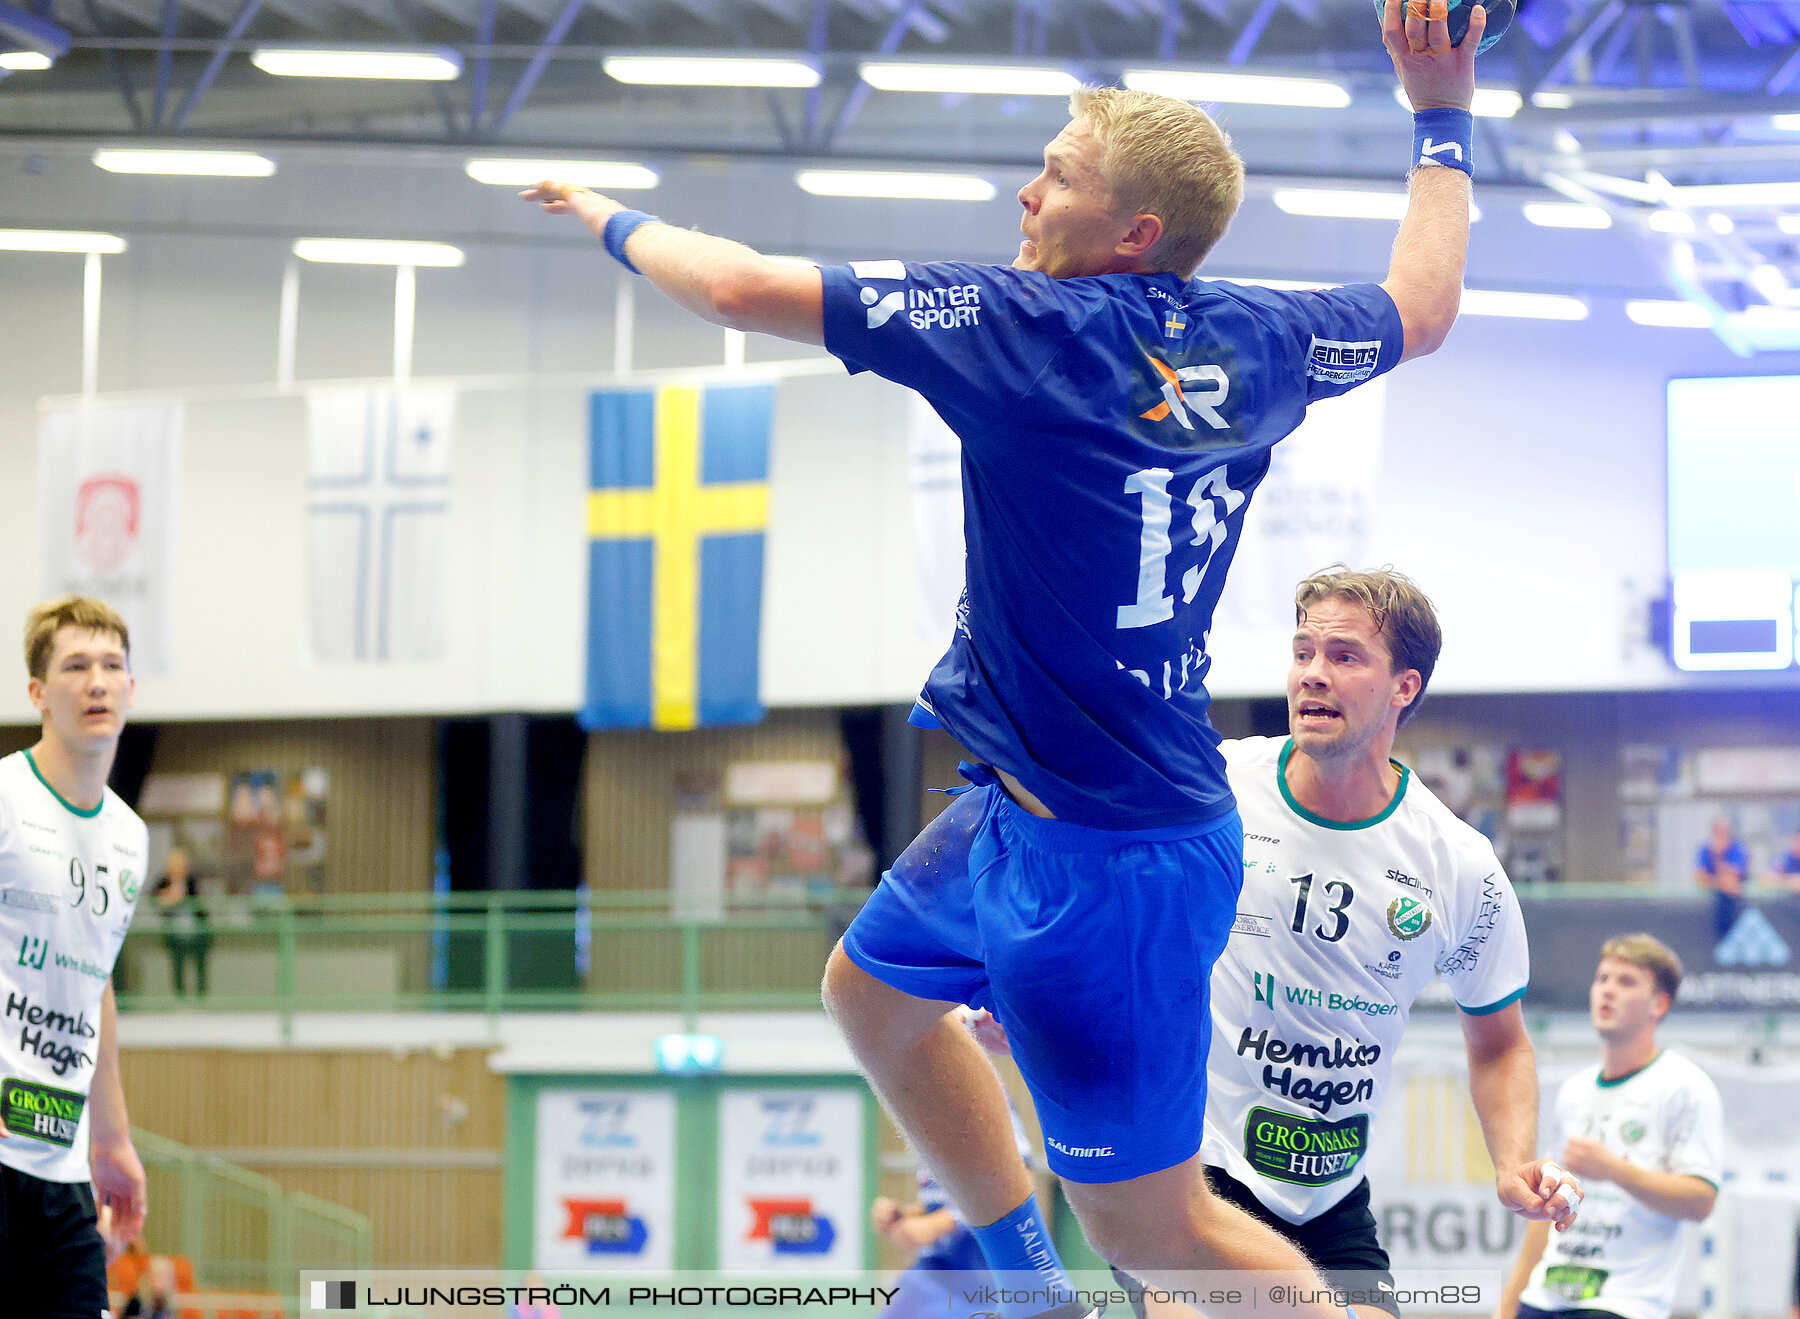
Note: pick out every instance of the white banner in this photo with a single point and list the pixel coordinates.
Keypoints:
(107, 482)
(934, 470)
(378, 524)
(605, 1190)
(791, 1180)
(1314, 508)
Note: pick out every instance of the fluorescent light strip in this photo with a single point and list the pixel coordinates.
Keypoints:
(1787, 123)
(1738, 194)
(1526, 306)
(1788, 224)
(59, 240)
(211, 164)
(710, 71)
(1348, 204)
(991, 79)
(1239, 88)
(1669, 314)
(1567, 215)
(1552, 101)
(25, 61)
(1671, 222)
(323, 62)
(611, 175)
(377, 252)
(1489, 102)
(883, 183)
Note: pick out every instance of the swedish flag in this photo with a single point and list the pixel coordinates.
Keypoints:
(677, 508)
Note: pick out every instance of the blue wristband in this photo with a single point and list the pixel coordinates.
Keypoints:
(1443, 137)
(621, 225)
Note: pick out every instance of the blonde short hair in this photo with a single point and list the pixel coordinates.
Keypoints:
(1402, 613)
(1647, 953)
(1165, 158)
(78, 611)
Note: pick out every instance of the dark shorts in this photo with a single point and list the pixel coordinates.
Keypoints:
(52, 1262)
(1093, 947)
(1341, 1242)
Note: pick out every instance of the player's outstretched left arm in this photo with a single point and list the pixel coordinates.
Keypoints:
(1503, 1083)
(715, 278)
(118, 1175)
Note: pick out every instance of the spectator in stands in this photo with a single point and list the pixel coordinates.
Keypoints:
(1721, 866)
(156, 1291)
(1784, 873)
(186, 932)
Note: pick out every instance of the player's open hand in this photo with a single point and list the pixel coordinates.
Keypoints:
(1435, 74)
(120, 1185)
(1541, 1190)
(565, 198)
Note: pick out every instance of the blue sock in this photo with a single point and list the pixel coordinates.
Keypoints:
(1020, 1244)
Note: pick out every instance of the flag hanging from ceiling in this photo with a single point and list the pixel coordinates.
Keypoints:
(678, 504)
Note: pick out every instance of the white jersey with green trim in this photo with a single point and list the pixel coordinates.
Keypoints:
(69, 881)
(1622, 1256)
(1339, 926)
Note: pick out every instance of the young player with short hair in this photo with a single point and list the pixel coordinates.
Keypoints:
(72, 862)
(1643, 1129)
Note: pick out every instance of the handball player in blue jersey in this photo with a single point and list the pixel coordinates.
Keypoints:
(1116, 415)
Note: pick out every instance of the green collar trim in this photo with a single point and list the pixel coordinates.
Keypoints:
(1287, 752)
(1601, 1081)
(67, 805)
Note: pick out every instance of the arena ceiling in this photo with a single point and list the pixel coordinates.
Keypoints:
(1640, 110)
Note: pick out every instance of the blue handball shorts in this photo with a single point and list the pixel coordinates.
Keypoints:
(1093, 947)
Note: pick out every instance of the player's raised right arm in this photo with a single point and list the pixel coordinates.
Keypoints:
(1426, 272)
(719, 280)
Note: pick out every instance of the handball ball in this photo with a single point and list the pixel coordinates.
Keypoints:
(1499, 18)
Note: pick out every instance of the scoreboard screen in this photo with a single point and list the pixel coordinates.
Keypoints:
(1734, 521)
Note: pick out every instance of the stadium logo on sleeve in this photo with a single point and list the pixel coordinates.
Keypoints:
(1342, 362)
(791, 1227)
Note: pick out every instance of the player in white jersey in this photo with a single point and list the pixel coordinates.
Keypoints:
(1359, 888)
(1643, 1128)
(72, 861)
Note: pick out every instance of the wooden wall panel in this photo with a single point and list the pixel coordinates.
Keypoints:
(366, 1130)
(381, 807)
(631, 777)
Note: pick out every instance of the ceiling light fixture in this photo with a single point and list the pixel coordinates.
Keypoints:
(1489, 102)
(1671, 222)
(711, 71)
(418, 64)
(893, 183)
(989, 79)
(1669, 314)
(1567, 215)
(1526, 306)
(1238, 88)
(59, 240)
(25, 61)
(211, 164)
(377, 252)
(609, 175)
(1347, 204)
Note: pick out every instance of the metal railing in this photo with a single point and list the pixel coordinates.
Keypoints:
(243, 1232)
(493, 952)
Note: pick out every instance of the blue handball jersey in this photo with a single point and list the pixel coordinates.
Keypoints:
(1113, 429)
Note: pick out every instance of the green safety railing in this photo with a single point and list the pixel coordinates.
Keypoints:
(493, 952)
(243, 1232)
